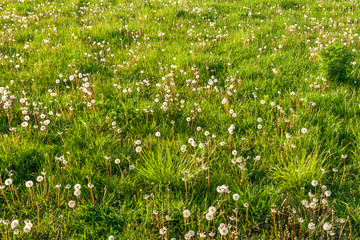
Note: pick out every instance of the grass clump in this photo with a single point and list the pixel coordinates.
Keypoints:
(336, 62)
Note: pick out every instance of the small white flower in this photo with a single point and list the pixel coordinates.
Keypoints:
(212, 209)
(27, 228)
(186, 213)
(77, 187)
(311, 226)
(236, 197)
(8, 182)
(314, 183)
(29, 184)
(138, 149)
(71, 203)
(209, 216)
(328, 193)
(14, 224)
(327, 226)
(163, 230)
(40, 178)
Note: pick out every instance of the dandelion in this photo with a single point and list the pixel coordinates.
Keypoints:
(314, 183)
(191, 233)
(304, 130)
(8, 182)
(71, 203)
(311, 226)
(111, 237)
(138, 149)
(186, 213)
(29, 184)
(14, 224)
(157, 134)
(163, 230)
(223, 229)
(209, 216)
(183, 148)
(40, 178)
(212, 210)
(27, 228)
(327, 226)
(236, 197)
(77, 187)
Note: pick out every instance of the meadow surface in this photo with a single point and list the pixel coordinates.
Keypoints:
(179, 119)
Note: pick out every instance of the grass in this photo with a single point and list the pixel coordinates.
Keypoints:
(157, 107)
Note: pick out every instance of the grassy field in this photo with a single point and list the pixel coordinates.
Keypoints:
(179, 119)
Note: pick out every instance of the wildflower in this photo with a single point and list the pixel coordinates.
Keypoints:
(223, 229)
(313, 205)
(209, 216)
(117, 161)
(212, 209)
(236, 196)
(328, 193)
(311, 226)
(26, 228)
(77, 187)
(163, 230)
(304, 130)
(8, 182)
(40, 178)
(327, 226)
(183, 148)
(186, 213)
(14, 224)
(71, 203)
(111, 237)
(138, 149)
(157, 134)
(314, 183)
(29, 184)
